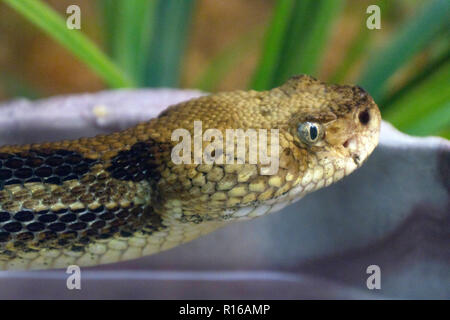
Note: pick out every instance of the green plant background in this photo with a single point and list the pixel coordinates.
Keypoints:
(146, 41)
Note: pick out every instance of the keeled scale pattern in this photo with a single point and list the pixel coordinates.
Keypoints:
(46, 166)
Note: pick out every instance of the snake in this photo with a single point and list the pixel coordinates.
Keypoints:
(122, 196)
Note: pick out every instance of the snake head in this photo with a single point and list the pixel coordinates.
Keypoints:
(334, 128)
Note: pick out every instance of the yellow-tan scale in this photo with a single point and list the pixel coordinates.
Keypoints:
(179, 202)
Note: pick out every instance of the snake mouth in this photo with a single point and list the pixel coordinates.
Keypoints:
(351, 144)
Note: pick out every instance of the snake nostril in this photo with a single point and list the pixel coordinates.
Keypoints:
(345, 144)
(364, 117)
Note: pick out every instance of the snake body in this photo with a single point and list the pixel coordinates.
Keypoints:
(120, 196)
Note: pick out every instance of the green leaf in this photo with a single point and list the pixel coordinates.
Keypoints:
(53, 24)
(421, 76)
(309, 36)
(109, 8)
(168, 45)
(424, 109)
(415, 35)
(17, 86)
(132, 26)
(294, 40)
(432, 122)
(225, 60)
(354, 53)
(271, 53)
(444, 133)
(360, 45)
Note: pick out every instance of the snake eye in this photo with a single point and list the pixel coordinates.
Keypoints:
(310, 132)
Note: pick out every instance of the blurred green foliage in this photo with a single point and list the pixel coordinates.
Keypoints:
(53, 24)
(299, 46)
(146, 42)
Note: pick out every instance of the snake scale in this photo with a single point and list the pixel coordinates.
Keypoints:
(120, 196)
